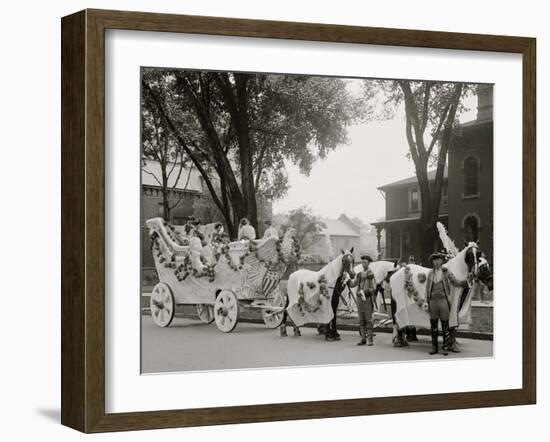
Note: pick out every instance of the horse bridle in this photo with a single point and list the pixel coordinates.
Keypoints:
(475, 272)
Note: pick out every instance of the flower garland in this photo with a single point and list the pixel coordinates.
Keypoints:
(306, 307)
(174, 235)
(166, 257)
(227, 256)
(303, 305)
(412, 293)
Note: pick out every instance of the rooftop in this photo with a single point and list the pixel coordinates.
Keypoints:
(412, 180)
(152, 170)
(342, 226)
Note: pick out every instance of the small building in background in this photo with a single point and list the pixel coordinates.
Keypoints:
(341, 233)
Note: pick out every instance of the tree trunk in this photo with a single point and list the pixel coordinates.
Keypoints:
(165, 193)
(165, 205)
(245, 150)
(428, 241)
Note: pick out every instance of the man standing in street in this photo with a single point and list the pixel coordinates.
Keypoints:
(366, 291)
(438, 290)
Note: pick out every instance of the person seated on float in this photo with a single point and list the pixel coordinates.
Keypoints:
(195, 249)
(199, 227)
(270, 231)
(216, 238)
(226, 239)
(189, 226)
(246, 231)
(218, 230)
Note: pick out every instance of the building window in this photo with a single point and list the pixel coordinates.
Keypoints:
(179, 220)
(160, 210)
(471, 225)
(414, 200)
(471, 166)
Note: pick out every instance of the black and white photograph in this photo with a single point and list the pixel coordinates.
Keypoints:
(301, 220)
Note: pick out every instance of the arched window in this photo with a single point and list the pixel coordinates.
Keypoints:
(471, 228)
(471, 166)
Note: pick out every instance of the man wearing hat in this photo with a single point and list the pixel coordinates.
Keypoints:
(366, 291)
(438, 290)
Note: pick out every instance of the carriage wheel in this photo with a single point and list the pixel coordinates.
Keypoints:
(226, 311)
(274, 318)
(206, 313)
(163, 305)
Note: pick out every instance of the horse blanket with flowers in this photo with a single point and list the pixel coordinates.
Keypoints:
(408, 290)
(309, 298)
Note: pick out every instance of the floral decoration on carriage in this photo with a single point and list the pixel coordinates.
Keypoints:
(218, 278)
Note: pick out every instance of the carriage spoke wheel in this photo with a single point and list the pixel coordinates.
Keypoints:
(226, 311)
(274, 318)
(163, 305)
(206, 313)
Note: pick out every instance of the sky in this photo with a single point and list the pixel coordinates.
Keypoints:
(346, 180)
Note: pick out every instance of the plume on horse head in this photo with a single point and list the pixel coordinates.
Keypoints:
(447, 242)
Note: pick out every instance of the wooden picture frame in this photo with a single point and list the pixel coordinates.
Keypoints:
(83, 220)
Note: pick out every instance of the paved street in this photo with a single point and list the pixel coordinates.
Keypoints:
(188, 344)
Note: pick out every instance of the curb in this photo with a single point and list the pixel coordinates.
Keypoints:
(464, 334)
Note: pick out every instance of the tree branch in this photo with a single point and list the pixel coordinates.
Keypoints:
(183, 144)
(427, 88)
(182, 193)
(412, 110)
(435, 136)
(153, 175)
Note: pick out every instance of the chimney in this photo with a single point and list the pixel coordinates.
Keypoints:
(484, 102)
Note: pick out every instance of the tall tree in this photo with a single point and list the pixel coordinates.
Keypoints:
(431, 119)
(306, 224)
(239, 129)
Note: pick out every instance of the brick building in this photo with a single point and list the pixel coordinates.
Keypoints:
(467, 196)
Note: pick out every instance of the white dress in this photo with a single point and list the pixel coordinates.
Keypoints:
(247, 232)
(271, 232)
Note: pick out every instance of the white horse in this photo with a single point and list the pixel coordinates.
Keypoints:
(381, 270)
(309, 293)
(408, 289)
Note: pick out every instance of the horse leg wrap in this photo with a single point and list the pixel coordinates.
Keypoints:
(449, 341)
(363, 333)
(370, 333)
(435, 333)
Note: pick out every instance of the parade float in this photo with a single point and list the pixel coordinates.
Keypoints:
(218, 278)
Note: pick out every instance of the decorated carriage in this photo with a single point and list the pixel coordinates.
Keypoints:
(218, 278)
